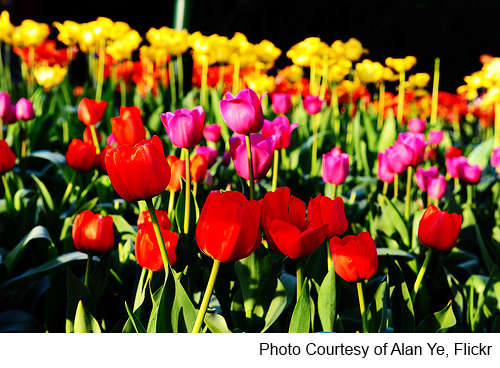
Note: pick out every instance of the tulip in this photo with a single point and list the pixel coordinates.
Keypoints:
(243, 112)
(416, 125)
(424, 176)
(99, 162)
(354, 256)
(93, 233)
(285, 225)
(212, 132)
(399, 157)
(80, 155)
(128, 128)
(436, 187)
(147, 248)
(281, 128)
(451, 152)
(439, 230)
(138, 172)
(199, 166)
(335, 167)
(281, 102)
(209, 153)
(24, 109)
(178, 170)
(495, 158)
(145, 218)
(383, 170)
(469, 174)
(328, 211)
(262, 153)
(416, 142)
(435, 137)
(312, 104)
(7, 158)
(5, 104)
(229, 226)
(90, 112)
(184, 127)
(453, 165)
(88, 136)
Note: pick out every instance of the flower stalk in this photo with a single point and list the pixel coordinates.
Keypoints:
(159, 237)
(362, 308)
(250, 167)
(420, 275)
(206, 298)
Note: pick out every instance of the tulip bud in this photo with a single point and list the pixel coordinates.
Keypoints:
(7, 158)
(282, 102)
(312, 104)
(184, 127)
(24, 109)
(90, 112)
(335, 167)
(128, 128)
(439, 230)
(243, 112)
(93, 233)
(80, 155)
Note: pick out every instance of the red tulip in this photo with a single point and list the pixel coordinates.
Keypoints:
(147, 249)
(243, 112)
(328, 211)
(184, 127)
(286, 228)
(93, 233)
(90, 112)
(178, 170)
(128, 128)
(140, 171)
(439, 230)
(229, 226)
(87, 136)
(145, 217)
(7, 158)
(198, 167)
(81, 155)
(99, 162)
(354, 256)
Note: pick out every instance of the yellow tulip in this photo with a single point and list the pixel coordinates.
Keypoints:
(401, 65)
(260, 83)
(223, 48)
(293, 73)
(419, 80)
(369, 72)
(30, 33)
(68, 32)
(337, 73)
(306, 51)
(354, 50)
(266, 52)
(6, 27)
(50, 76)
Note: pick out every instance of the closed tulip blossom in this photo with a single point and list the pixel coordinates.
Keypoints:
(451, 152)
(93, 233)
(435, 137)
(416, 142)
(147, 249)
(328, 211)
(212, 132)
(199, 166)
(453, 165)
(90, 112)
(399, 157)
(184, 127)
(262, 153)
(138, 172)
(335, 167)
(436, 187)
(24, 109)
(178, 170)
(229, 226)
(424, 176)
(5, 104)
(354, 256)
(287, 230)
(281, 102)
(128, 128)
(208, 152)
(312, 104)
(7, 158)
(281, 128)
(416, 125)
(439, 230)
(242, 113)
(469, 174)
(81, 155)
(383, 171)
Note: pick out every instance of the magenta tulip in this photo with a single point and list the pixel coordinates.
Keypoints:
(243, 112)
(416, 142)
(209, 153)
(281, 128)
(469, 174)
(495, 158)
(184, 127)
(383, 171)
(436, 187)
(312, 104)
(435, 137)
(453, 165)
(335, 167)
(282, 102)
(212, 132)
(424, 176)
(262, 154)
(416, 125)
(5, 104)
(24, 109)
(399, 157)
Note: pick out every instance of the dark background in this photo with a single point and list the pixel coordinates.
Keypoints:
(456, 31)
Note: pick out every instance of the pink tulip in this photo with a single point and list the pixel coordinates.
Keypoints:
(416, 142)
(5, 104)
(436, 187)
(469, 174)
(282, 102)
(212, 132)
(184, 127)
(495, 158)
(416, 125)
(435, 137)
(208, 152)
(262, 155)
(281, 128)
(335, 167)
(399, 157)
(424, 176)
(453, 164)
(243, 112)
(312, 104)
(24, 109)
(383, 171)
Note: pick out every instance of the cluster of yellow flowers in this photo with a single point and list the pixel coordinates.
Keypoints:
(488, 78)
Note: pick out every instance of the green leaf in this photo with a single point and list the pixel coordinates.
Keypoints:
(139, 328)
(76, 292)
(194, 213)
(439, 321)
(401, 305)
(183, 312)
(216, 323)
(38, 232)
(84, 321)
(377, 310)
(391, 212)
(19, 321)
(301, 317)
(327, 301)
(388, 134)
(481, 153)
(278, 305)
(47, 199)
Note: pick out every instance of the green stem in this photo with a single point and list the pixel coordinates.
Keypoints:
(470, 194)
(435, 92)
(314, 153)
(159, 237)
(396, 185)
(204, 78)
(329, 256)
(87, 269)
(250, 167)
(362, 308)
(236, 76)
(180, 76)
(24, 137)
(123, 93)
(187, 205)
(69, 188)
(275, 169)
(206, 297)
(100, 76)
(381, 107)
(420, 275)
(384, 189)
(173, 89)
(408, 193)
(298, 265)
(171, 200)
(333, 194)
(94, 139)
(8, 196)
(401, 97)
